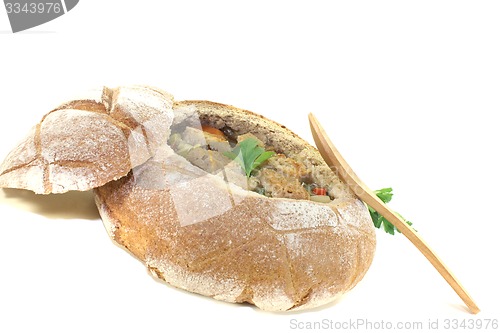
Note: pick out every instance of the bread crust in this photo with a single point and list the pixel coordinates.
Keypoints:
(199, 233)
(85, 143)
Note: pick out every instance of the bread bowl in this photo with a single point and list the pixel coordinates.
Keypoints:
(207, 227)
(200, 232)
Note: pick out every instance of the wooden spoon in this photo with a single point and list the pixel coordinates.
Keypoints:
(332, 156)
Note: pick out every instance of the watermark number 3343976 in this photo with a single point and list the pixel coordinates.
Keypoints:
(26, 14)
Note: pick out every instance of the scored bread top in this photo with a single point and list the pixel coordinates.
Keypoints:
(86, 143)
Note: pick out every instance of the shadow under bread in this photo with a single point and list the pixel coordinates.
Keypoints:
(70, 205)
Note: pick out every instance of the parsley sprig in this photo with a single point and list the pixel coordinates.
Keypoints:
(385, 195)
(249, 155)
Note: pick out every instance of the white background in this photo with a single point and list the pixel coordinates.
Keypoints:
(408, 91)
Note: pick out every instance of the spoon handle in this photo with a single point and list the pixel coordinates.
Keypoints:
(333, 158)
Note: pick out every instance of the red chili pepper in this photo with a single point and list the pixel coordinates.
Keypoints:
(319, 191)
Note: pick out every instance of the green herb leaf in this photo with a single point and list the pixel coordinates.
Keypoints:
(231, 155)
(262, 158)
(388, 227)
(249, 155)
(385, 195)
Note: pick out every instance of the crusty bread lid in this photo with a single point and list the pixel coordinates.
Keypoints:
(86, 143)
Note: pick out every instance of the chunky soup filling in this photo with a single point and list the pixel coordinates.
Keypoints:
(279, 176)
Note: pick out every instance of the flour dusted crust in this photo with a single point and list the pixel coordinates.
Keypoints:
(88, 142)
(199, 233)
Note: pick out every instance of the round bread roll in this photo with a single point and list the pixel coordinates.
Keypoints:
(206, 232)
(86, 143)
